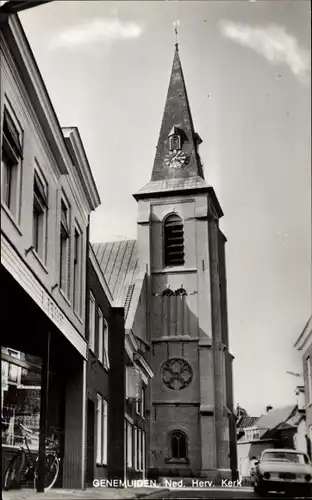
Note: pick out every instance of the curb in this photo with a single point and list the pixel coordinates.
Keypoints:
(150, 495)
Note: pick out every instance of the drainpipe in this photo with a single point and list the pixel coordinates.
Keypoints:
(84, 465)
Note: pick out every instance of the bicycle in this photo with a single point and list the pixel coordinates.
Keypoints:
(14, 475)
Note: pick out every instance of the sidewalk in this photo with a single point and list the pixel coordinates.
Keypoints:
(88, 494)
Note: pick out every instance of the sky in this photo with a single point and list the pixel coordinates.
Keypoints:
(107, 65)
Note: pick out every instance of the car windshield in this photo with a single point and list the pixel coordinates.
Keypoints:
(284, 456)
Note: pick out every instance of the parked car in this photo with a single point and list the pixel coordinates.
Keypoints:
(283, 470)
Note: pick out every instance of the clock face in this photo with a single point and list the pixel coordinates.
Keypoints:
(176, 159)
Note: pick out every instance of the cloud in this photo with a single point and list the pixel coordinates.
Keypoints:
(274, 43)
(106, 30)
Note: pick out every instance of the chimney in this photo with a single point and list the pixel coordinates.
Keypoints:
(268, 408)
(300, 397)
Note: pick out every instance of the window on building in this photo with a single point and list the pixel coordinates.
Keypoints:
(133, 381)
(143, 451)
(105, 337)
(140, 451)
(64, 247)
(309, 375)
(103, 340)
(91, 321)
(174, 142)
(77, 271)
(101, 431)
(143, 402)
(11, 158)
(139, 403)
(178, 445)
(129, 444)
(173, 241)
(136, 449)
(40, 215)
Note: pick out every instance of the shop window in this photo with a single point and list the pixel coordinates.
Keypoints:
(101, 431)
(77, 275)
(20, 397)
(11, 160)
(65, 247)
(40, 215)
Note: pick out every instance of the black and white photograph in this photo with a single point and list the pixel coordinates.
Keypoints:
(156, 249)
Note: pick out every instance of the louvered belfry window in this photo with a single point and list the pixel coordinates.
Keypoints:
(174, 241)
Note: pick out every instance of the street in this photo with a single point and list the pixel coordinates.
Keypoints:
(214, 493)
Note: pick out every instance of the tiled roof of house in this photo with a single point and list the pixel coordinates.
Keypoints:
(118, 261)
(246, 421)
(275, 417)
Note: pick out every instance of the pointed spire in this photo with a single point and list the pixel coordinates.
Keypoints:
(177, 155)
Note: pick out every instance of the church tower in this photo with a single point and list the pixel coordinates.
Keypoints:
(191, 429)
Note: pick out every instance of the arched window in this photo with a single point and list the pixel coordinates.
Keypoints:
(174, 241)
(178, 445)
(174, 142)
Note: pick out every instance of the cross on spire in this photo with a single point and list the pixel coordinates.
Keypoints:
(176, 24)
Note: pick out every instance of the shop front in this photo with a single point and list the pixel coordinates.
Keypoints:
(43, 388)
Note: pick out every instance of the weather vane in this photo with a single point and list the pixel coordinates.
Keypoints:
(176, 24)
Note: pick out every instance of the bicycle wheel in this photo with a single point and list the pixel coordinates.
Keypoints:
(51, 471)
(12, 474)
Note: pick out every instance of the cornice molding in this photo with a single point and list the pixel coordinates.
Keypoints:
(18, 45)
(305, 336)
(83, 168)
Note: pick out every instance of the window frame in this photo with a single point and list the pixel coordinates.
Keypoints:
(65, 236)
(101, 430)
(136, 448)
(91, 322)
(309, 377)
(173, 459)
(172, 139)
(77, 268)
(129, 448)
(105, 345)
(168, 260)
(102, 340)
(41, 199)
(12, 149)
(143, 452)
(140, 468)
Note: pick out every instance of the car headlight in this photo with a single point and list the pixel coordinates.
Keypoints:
(308, 477)
(267, 475)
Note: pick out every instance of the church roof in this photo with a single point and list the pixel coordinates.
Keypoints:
(168, 185)
(118, 261)
(177, 117)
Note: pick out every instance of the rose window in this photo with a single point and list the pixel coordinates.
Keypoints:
(177, 374)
